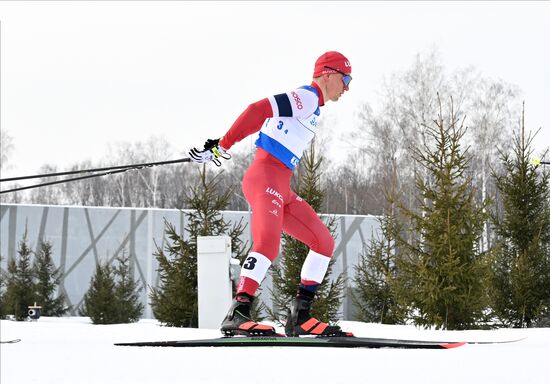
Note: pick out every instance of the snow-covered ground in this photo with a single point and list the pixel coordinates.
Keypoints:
(74, 351)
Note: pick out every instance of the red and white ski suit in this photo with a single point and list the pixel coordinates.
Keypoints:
(286, 125)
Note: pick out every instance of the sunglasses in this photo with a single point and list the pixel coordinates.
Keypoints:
(346, 79)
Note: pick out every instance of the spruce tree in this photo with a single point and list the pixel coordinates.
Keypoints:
(376, 273)
(127, 292)
(100, 302)
(113, 295)
(47, 280)
(443, 276)
(3, 281)
(375, 276)
(522, 264)
(174, 301)
(20, 286)
(286, 271)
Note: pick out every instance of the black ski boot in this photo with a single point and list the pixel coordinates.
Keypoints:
(239, 322)
(300, 322)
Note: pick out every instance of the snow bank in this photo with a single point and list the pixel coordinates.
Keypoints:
(72, 350)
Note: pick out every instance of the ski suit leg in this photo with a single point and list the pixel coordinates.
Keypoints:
(266, 196)
(302, 222)
(265, 188)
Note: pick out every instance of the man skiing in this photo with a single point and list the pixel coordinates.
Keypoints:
(286, 123)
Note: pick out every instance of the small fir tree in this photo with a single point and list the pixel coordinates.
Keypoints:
(174, 301)
(20, 286)
(286, 271)
(47, 280)
(113, 295)
(375, 276)
(100, 302)
(127, 292)
(521, 294)
(443, 276)
(3, 281)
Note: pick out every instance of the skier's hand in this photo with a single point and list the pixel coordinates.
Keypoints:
(211, 152)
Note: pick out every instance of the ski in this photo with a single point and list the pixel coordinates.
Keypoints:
(497, 341)
(273, 341)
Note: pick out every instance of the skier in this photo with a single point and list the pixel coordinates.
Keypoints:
(286, 123)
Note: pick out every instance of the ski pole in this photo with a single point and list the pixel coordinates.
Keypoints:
(539, 162)
(112, 172)
(130, 166)
(109, 171)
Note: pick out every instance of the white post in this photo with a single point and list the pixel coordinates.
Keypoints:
(214, 283)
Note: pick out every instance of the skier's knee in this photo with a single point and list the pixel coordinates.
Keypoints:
(325, 246)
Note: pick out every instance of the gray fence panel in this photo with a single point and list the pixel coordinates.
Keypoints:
(83, 236)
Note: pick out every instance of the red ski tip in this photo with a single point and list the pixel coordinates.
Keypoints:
(453, 345)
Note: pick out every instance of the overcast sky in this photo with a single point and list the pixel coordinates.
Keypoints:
(78, 76)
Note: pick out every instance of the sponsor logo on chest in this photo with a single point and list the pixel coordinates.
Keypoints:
(297, 100)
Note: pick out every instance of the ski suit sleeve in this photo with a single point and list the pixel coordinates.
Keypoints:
(249, 122)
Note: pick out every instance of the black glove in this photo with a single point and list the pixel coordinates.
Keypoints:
(211, 152)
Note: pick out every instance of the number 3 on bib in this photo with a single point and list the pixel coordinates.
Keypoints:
(255, 266)
(250, 263)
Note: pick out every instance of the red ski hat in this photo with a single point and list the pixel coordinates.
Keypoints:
(334, 60)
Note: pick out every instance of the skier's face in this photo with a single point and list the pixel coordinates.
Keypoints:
(335, 86)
